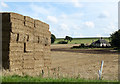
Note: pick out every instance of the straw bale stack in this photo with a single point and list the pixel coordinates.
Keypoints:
(26, 44)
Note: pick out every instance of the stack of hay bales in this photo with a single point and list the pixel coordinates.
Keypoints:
(26, 44)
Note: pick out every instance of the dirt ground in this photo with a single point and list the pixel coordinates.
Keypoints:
(83, 63)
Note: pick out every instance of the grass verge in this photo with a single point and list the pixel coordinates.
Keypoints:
(16, 78)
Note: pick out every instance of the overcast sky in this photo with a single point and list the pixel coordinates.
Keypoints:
(75, 18)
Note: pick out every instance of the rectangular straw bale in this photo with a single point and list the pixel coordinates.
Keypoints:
(36, 39)
(15, 67)
(47, 33)
(28, 61)
(28, 65)
(39, 63)
(15, 62)
(27, 56)
(46, 41)
(38, 69)
(37, 26)
(17, 16)
(18, 72)
(47, 56)
(29, 19)
(22, 38)
(42, 41)
(37, 23)
(29, 71)
(47, 61)
(47, 64)
(13, 20)
(37, 32)
(15, 56)
(13, 27)
(17, 25)
(7, 16)
(46, 25)
(38, 55)
(30, 38)
(13, 37)
(29, 47)
(26, 38)
(29, 24)
(38, 47)
(47, 48)
(16, 47)
(39, 40)
(28, 30)
(19, 29)
(46, 71)
(45, 28)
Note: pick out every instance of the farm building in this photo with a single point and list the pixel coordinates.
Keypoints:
(101, 43)
(25, 45)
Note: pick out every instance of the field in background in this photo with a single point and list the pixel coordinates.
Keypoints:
(80, 40)
(84, 63)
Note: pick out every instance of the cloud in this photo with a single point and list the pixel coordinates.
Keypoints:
(104, 15)
(38, 9)
(52, 19)
(77, 3)
(64, 26)
(76, 26)
(111, 28)
(63, 16)
(3, 4)
(90, 24)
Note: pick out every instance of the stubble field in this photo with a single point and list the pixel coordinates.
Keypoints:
(83, 63)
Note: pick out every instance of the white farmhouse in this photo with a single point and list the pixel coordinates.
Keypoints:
(101, 43)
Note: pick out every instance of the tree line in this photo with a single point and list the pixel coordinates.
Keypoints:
(114, 39)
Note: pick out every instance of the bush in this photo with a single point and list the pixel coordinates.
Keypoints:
(91, 46)
(82, 45)
(53, 38)
(76, 47)
(62, 42)
(115, 39)
(68, 38)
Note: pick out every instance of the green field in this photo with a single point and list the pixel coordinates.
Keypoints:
(40, 79)
(80, 40)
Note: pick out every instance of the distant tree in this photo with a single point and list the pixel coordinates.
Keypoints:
(68, 38)
(115, 39)
(53, 38)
